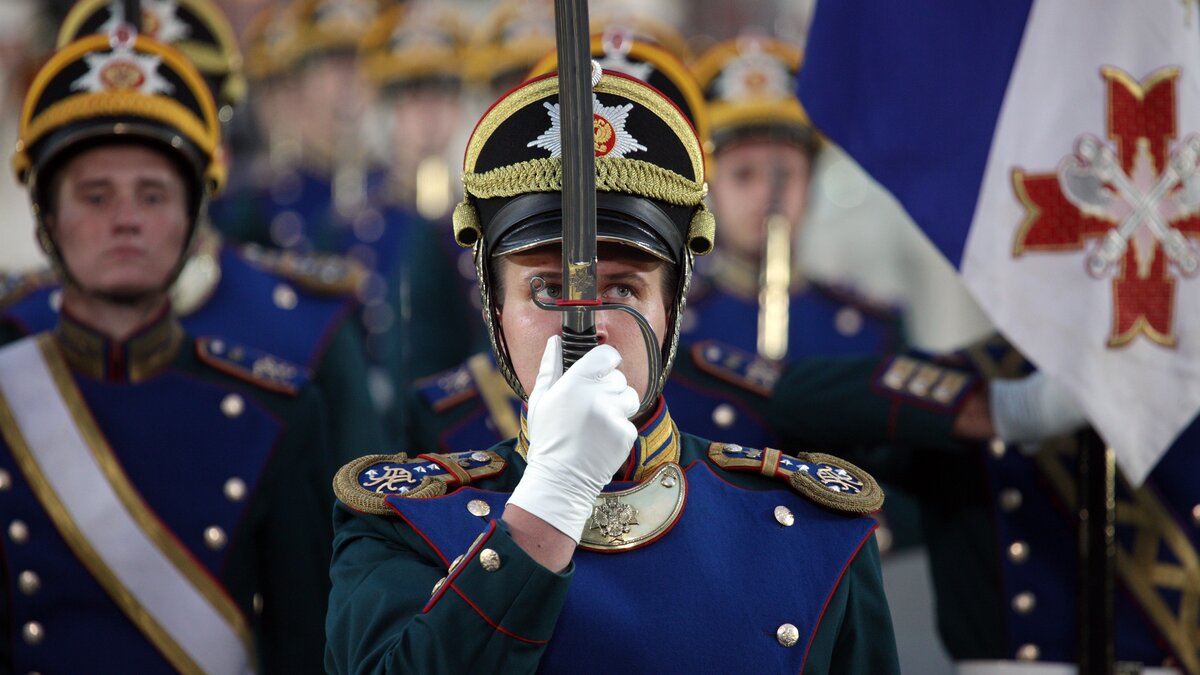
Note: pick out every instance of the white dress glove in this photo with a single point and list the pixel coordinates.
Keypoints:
(1033, 408)
(579, 434)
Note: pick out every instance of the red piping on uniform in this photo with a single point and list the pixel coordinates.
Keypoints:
(495, 625)
(833, 590)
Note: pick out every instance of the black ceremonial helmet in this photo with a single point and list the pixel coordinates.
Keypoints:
(198, 28)
(618, 49)
(649, 186)
(120, 87)
(750, 85)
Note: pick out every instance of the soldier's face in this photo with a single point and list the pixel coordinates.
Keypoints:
(120, 220)
(332, 98)
(624, 276)
(741, 192)
(424, 122)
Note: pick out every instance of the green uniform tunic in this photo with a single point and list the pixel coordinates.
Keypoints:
(733, 588)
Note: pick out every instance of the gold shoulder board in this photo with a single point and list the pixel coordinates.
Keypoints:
(830, 481)
(365, 483)
(252, 365)
(316, 273)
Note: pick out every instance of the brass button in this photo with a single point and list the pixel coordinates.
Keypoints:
(235, 489)
(1028, 652)
(215, 538)
(997, 448)
(1018, 552)
(284, 297)
(788, 635)
(257, 603)
(32, 633)
(489, 559)
(233, 405)
(1010, 499)
(6, 481)
(480, 456)
(455, 562)
(437, 587)
(1024, 602)
(28, 582)
(18, 531)
(848, 321)
(724, 416)
(784, 516)
(478, 507)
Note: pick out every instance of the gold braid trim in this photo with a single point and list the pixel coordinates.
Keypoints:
(1151, 580)
(613, 174)
(86, 106)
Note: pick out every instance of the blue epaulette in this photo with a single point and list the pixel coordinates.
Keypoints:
(448, 388)
(317, 273)
(744, 369)
(829, 481)
(252, 365)
(367, 482)
(914, 380)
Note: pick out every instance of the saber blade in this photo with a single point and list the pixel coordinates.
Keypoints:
(579, 177)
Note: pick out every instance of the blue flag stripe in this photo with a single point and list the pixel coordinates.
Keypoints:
(913, 91)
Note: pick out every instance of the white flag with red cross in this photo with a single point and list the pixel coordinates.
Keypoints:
(1051, 149)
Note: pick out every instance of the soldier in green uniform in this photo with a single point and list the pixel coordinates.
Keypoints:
(162, 493)
(589, 529)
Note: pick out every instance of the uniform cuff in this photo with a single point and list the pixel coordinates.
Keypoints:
(507, 588)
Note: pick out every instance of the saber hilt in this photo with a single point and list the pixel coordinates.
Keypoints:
(575, 81)
(577, 345)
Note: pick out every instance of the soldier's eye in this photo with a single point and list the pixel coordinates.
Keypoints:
(95, 198)
(619, 292)
(550, 293)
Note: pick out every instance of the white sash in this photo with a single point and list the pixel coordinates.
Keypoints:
(181, 609)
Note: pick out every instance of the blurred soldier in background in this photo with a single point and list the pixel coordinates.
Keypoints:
(412, 59)
(750, 293)
(439, 302)
(300, 304)
(266, 162)
(514, 36)
(109, 564)
(308, 208)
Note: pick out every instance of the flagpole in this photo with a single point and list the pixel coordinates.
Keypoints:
(1097, 547)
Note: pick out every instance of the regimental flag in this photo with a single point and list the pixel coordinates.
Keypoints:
(1050, 149)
